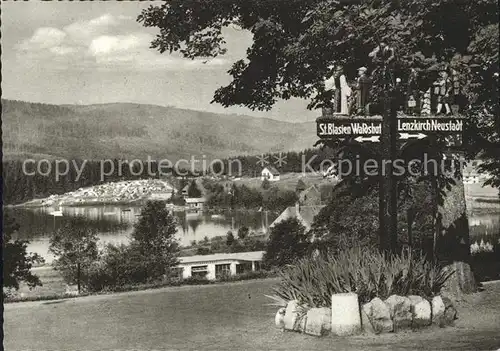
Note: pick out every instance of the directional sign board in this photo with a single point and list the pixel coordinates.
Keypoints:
(369, 129)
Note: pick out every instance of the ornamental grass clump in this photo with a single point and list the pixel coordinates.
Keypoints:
(368, 273)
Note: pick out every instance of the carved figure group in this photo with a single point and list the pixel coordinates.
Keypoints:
(355, 99)
(337, 83)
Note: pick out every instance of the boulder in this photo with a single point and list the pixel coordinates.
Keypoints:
(421, 311)
(292, 319)
(365, 320)
(279, 319)
(379, 315)
(450, 313)
(318, 321)
(438, 309)
(302, 320)
(346, 319)
(400, 310)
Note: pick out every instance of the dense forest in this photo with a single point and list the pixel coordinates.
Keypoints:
(125, 130)
(40, 180)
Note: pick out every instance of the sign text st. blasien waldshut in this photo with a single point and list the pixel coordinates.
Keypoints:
(369, 129)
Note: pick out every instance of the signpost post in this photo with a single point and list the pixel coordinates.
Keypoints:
(390, 131)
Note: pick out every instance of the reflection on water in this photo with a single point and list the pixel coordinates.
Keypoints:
(115, 224)
(485, 227)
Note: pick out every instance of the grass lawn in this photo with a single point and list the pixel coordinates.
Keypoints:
(218, 317)
(52, 281)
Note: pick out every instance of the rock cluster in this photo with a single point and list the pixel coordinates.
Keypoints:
(394, 314)
(400, 312)
(313, 321)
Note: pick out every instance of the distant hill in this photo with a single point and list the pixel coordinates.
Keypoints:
(125, 130)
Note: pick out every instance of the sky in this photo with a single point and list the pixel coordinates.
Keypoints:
(96, 52)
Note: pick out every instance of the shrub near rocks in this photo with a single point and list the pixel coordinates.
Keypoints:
(407, 283)
(368, 273)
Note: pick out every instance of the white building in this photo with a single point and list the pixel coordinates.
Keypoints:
(161, 195)
(195, 203)
(217, 265)
(270, 173)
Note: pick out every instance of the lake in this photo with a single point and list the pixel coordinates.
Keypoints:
(115, 224)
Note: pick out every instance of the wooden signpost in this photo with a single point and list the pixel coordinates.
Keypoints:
(398, 129)
(369, 129)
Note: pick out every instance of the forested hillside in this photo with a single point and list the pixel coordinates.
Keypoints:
(123, 130)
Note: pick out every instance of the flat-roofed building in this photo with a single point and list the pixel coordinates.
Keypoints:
(215, 266)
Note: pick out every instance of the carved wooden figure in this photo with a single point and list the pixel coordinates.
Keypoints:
(363, 89)
(342, 91)
(443, 89)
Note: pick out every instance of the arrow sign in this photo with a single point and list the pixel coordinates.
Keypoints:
(373, 139)
(411, 136)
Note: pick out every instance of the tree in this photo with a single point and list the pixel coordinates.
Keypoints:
(243, 232)
(275, 199)
(17, 262)
(484, 117)
(75, 246)
(300, 187)
(193, 190)
(294, 42)
(154, 242)
(266, 184)
(287, 243)
(229, 239)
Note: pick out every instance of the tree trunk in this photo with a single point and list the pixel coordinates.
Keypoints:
(453, 245)
(78, 270)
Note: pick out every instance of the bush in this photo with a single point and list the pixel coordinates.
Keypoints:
(195, 281)
(246, 276)
(287, 243)
(486, 263)
(265, 184)
(243, 232)
(177, 200)
(366, 272)
(203, 251)
(118, 266)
